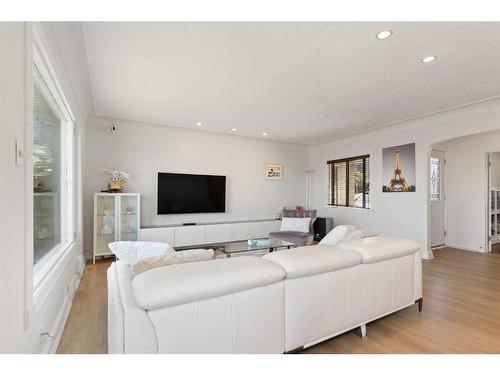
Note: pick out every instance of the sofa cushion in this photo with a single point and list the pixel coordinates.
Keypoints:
(182, 283)
(377, 249)
(313, 260)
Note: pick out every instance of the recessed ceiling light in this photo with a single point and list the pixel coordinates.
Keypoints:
(384, 34)
(198, 124)
(234, 129)
(264, 134)
(428, 59)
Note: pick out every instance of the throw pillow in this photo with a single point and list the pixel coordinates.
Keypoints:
(176, 257)
(337, 234)
(353, 235)
(370, 233)
(130, 252)
(295, 224)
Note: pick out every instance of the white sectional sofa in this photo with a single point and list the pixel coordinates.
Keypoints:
(227, 305)
(331, 291)
(282, 302)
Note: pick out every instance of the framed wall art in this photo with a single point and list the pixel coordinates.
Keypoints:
(274, 171)
(398, 169)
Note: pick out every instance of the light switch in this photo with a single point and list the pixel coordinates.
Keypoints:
(19, 154)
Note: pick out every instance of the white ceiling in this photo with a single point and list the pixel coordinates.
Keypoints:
(300, 82)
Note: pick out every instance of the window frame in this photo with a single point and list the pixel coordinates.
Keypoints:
(43, 268)
(331, 182)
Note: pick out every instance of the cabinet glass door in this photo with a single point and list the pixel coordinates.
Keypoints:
(105, 223)
(129, 217)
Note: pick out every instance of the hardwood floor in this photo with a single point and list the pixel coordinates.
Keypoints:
(461, 312)
(87, 327)
(495, 248)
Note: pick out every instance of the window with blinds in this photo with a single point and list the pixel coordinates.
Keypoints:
(349, 182)
(53, 167)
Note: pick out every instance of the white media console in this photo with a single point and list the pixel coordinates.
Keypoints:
(188, 235)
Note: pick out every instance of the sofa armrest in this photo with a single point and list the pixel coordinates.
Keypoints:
(130, 329)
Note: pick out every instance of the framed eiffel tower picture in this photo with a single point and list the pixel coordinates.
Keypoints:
(398, 164)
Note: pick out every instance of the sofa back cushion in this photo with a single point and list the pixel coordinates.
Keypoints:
(378, 249)
(313, 260)
(183, 283)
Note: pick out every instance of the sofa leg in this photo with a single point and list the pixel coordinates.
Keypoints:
(363, 330)
(420, 302)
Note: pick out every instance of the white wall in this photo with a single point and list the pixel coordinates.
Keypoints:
(13, 336)
(143, 150)
(466, 188)
(399, 214)
(24, 311)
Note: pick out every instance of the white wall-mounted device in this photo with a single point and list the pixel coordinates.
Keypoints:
(112, 129)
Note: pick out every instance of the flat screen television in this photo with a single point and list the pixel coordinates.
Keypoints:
(190, 193)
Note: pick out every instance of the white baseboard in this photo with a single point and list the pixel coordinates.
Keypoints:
(60, 328)
(438, 247)
(459, 247)
(63, 317)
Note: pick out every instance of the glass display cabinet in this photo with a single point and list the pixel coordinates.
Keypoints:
(116, 218)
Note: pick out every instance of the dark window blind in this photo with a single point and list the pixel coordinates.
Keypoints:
(349, 182)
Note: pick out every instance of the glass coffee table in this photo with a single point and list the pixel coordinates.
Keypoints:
(238, 247)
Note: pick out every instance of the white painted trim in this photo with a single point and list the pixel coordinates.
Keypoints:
(459, 247)
(445, 195)
(52, 341)
(487, 215)
(89, 71)
(43, 289)
(42, 61)
(427, 253)
(28, 176)
(487, 244)
(69, 302)
(438, 247)
(444, 198)
(63, 251)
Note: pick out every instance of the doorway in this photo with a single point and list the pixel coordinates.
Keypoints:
(493, 159)
(437, 198)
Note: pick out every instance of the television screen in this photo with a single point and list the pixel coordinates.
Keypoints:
(190, 193)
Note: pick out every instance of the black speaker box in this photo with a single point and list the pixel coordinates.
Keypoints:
(322, 225)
